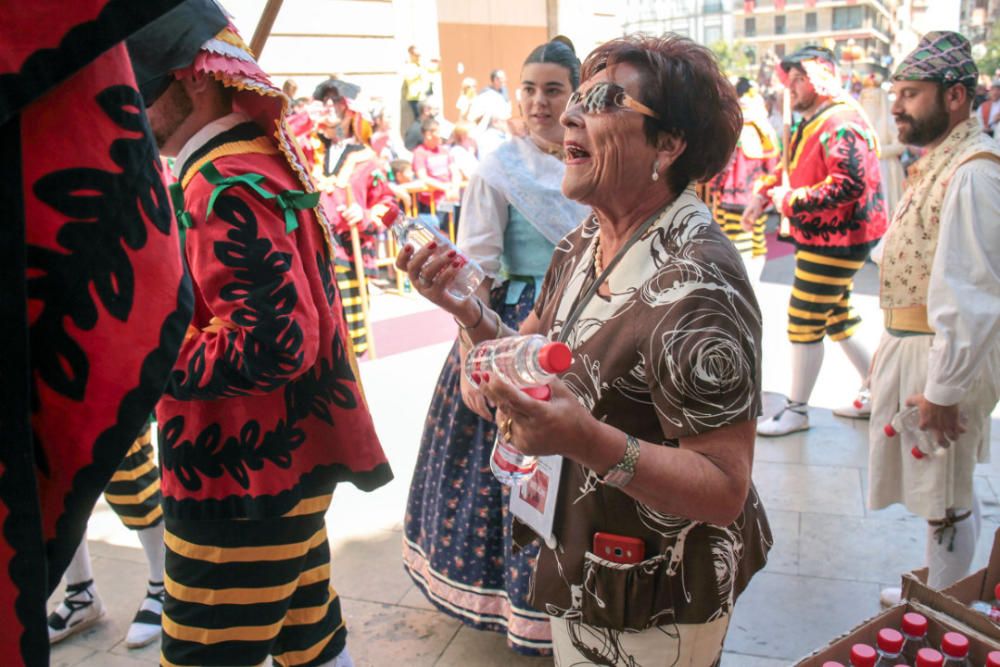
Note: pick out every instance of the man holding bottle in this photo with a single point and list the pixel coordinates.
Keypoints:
(940, 294)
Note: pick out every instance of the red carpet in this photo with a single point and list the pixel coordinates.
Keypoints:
(409, 332)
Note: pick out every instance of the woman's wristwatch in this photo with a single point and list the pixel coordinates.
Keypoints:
(622, 472)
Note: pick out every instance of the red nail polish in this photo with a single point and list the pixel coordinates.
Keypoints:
(476, 378)
(456, 263)
(408, 248)
(452, 253)
(486, 377)
(432, 245)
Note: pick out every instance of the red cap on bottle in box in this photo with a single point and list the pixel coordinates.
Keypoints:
(833, 663)
(955, 645)
(555, 357)
(890, 640)
(996, 592)
(914, 624)
(928, 657)
(993, 659)
(863, 655)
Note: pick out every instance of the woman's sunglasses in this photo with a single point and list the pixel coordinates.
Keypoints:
(605, 97)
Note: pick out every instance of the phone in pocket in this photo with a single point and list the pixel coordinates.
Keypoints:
(619, 548)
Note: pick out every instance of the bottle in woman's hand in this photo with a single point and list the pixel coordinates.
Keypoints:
(419, 233)
(529, 363)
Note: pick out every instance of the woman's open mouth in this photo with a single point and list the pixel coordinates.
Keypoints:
(575, 153)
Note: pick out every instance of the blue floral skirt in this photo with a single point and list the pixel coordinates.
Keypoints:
(457, 535)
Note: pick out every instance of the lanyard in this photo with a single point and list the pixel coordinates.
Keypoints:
(584, 298)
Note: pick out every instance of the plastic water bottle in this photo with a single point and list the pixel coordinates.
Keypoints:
(863, 655)
(527, 362)
(889, 646)
(928, 657)
(907, 421)
(955, 649)
(418, 233)
(914, 631)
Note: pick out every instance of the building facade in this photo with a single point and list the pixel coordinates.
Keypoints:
(705, 21)
(859, 31)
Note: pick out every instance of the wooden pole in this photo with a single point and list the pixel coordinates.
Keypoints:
(264, 26)
(784, 227)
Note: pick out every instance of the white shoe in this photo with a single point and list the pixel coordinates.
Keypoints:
(80, 609)
(860, 408)
(145, 627)
(890, 597)
(790, 419)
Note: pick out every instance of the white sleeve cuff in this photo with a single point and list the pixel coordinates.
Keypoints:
(941, 394)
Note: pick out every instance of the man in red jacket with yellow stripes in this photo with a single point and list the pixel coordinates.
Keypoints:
(837, 213)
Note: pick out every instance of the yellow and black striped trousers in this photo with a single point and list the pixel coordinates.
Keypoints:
(752, 243)
(821, 297)
(350, 298)
(238, 591)
(134, 490)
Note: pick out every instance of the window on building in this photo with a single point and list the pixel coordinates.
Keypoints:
(811, 22)
(750, 27)
(846, 18)
(779, 25)
(712, 7)
(713, 34)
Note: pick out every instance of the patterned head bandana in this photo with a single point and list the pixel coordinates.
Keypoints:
(942, 56)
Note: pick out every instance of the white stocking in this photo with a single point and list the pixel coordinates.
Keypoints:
(79, 569)
(152, 544)
(859, 356)
(951, 548)
(806, 362)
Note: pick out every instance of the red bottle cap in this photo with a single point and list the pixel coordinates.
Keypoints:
(928, 657)
(996, 592)
(833, 663)
(863, 655)
(916, 453)
(890, 431)
(993, 659)
(890, 641)
(542, 393)
(914, 624)
(555, 357)
(954, 645)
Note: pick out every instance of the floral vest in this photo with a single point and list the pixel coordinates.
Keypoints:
(911, 241)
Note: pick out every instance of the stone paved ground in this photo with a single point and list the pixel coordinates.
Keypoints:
(830, 558)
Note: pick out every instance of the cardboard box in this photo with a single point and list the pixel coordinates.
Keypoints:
(955, 600)
(938, 623)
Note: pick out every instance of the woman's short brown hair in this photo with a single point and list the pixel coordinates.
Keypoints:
(682, 82)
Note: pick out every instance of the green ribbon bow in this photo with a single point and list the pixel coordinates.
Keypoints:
(288, 201)
(184, 220)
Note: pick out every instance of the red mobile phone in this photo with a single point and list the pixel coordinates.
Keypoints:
(619, 548)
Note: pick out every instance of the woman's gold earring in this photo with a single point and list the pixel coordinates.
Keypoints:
(656, 170)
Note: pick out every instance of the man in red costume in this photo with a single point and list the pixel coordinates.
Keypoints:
(356, 193)
(95, 297)
(263, 414)
(837, 213)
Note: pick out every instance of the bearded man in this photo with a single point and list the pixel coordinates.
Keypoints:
(940, 294)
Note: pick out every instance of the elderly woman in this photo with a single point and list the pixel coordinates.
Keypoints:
(655, 419)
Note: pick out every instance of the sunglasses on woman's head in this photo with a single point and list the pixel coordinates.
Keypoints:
(605, 97)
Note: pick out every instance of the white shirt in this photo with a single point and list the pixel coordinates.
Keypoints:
(204, 135)
(963, 298)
